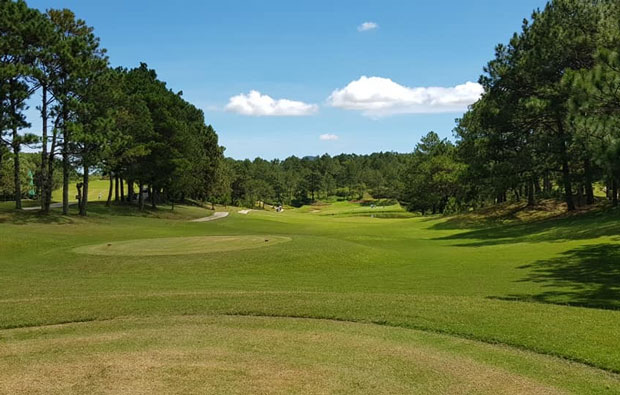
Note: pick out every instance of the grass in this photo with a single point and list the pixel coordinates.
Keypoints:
(97, 191)
(228, 354)
(180, 245)
(356, 303)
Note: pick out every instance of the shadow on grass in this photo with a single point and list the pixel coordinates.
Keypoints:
(390, 214)
(588, 276)
(125, 210)
(490, 216)
(17, 217)
(573, 227)
(96, 210)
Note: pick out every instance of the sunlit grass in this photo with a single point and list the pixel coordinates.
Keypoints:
(549, 286)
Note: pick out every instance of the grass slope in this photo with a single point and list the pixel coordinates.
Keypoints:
(224, 354)
(97, 191)
(550, 287)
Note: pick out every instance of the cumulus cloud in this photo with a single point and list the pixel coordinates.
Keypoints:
(367, 26)
(257, 104)
(328, 137)
(377, 96)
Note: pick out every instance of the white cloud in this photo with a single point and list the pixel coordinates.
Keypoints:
(328, 137)
(257, 104)
(377, 96)
(367, 26)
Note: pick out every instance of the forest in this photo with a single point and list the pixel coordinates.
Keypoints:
(545, 127)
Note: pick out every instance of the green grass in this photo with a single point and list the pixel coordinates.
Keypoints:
(97, 191)
(535, 301)
(180, 245)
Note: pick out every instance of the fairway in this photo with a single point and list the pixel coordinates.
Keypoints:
(342, 300)
(180, 245)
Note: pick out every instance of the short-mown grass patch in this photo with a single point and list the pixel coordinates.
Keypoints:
(180, 245)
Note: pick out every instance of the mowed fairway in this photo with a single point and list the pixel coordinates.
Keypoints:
(334, 301)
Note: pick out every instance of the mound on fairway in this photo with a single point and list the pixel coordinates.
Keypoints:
(240, 355)
(180, 245)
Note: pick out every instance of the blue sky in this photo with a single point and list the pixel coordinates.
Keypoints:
(303, 51)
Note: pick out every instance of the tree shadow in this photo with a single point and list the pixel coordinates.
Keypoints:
(17, 217)
(96, 211)
(575, 227)
(492, 216)
(587, 276)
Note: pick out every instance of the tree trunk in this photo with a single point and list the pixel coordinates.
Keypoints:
(537, 189)
(579, 191)
(531, 191)
(588, 182)
(116, 189)
(546, 184)
(566, 176)
(65, 182)
(152, 196)
(122, 182)
(130, 194)
(66, 167)
(614, 193)
(50, 171)
(111, 187)
(79, 195)
(16, 170)
(141, 195)
(568, 186)
(84, 200)
(45, 207)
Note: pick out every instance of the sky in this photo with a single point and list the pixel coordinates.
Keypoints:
(281, 78)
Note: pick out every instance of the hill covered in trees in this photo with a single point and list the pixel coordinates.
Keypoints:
(546, 125)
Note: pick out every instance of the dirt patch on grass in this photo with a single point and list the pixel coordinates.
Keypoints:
(223, 354)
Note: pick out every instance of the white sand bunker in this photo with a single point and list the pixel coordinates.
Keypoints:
(244, 212)
(180, 245)
(212, 217)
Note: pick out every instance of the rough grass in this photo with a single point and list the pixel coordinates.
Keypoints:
(224, 354)
(549, 288)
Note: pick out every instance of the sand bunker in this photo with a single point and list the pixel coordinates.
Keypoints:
(212, 217)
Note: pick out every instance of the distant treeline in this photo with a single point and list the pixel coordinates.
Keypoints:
(547, 125)
(297, 181)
